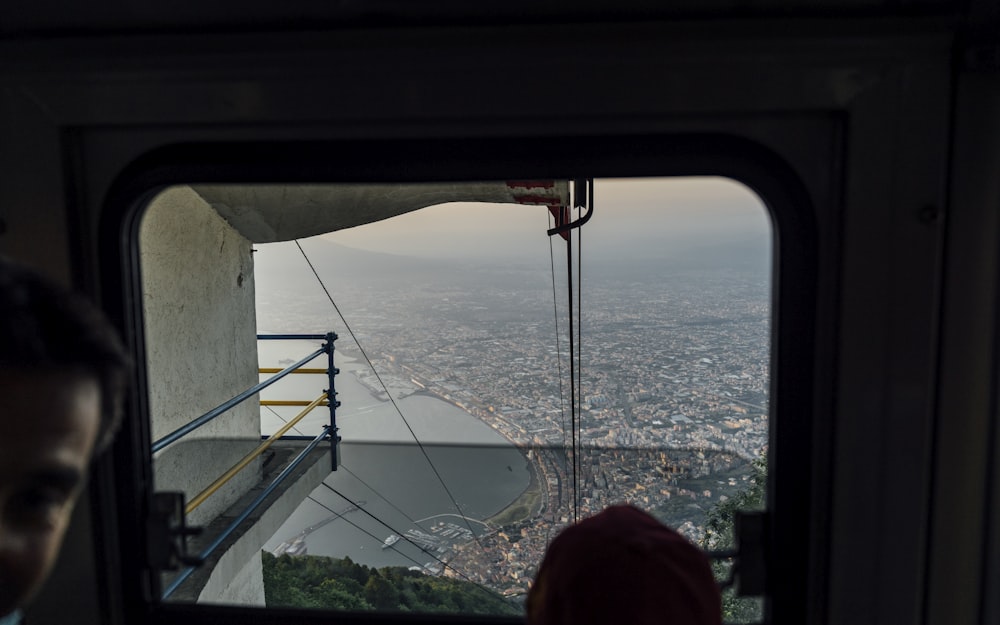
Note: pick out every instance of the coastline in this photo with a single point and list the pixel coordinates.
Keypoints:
(525, 505)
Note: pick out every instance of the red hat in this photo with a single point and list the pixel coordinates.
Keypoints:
(623, 566)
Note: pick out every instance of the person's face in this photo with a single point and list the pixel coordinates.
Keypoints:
(48, 424)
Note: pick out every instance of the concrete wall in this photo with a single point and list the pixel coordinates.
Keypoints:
(245, 589)
(237, 576)
(201, 347)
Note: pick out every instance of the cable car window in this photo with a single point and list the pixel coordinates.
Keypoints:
(392, 397)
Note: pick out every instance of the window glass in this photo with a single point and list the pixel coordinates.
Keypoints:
(470, 434)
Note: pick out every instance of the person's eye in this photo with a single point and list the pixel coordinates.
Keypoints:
(37, 506)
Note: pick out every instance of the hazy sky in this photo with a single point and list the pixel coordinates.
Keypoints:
(630, 214)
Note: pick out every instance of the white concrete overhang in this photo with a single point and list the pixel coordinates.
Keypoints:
(268, 213)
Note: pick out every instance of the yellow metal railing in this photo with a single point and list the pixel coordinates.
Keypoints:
(288, 402)
(242, 464)
(328, 398)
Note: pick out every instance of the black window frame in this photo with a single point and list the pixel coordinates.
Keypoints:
(796, 519)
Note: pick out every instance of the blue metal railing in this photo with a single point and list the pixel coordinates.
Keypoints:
(329, 431)
(235, 401)
(243, 516)
(331, 371)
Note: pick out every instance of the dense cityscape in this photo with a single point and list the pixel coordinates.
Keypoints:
(673, 384)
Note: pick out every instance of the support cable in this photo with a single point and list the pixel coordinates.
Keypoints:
(397, 509)
(579, 324)
(583, 191)
(402, 535)
(284, 420)
(572, 380)
(380, 521)
(555, 312)
(373, 536)
(380, 495)
(388, 394)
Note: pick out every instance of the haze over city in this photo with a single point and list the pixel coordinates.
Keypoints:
(465, 305)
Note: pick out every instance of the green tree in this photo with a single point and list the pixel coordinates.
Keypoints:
(340, 584)
(281, 583)
(381, 594)
(720, 535)
(334, 595)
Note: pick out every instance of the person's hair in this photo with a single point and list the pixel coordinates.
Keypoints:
(623, 566)
(43, 325)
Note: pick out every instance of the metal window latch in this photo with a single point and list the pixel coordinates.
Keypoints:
(168, 532)
(751, 530)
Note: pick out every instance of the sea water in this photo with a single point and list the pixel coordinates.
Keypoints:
(462, 469)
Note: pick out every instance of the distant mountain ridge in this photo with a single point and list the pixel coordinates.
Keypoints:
(341, 265)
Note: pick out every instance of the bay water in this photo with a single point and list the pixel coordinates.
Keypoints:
(462, 472)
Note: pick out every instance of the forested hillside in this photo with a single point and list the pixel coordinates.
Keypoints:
(342, 584)
(720, 535)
